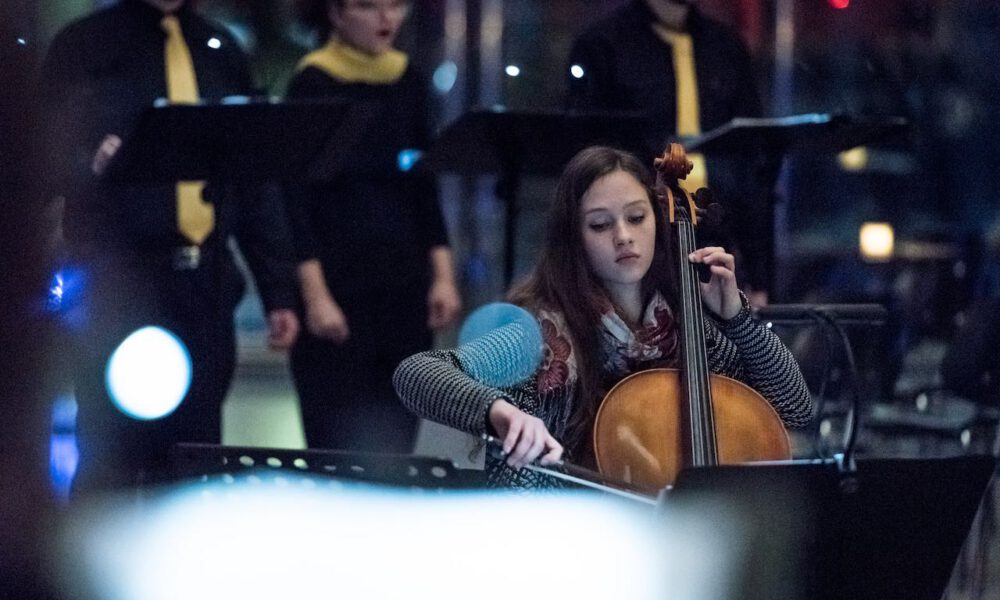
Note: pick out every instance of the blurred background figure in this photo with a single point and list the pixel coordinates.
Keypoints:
(689, 74)
(151, 254)
(377, 273)
(25, 496)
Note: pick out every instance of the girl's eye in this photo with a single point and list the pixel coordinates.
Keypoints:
(636, 219)
(599, 225)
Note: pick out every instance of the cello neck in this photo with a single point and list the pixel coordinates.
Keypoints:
(699, 432)
(694, 362)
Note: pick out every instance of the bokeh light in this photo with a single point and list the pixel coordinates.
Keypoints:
(149, 373)
(500, 344)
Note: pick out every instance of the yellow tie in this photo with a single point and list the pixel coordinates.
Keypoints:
(195, 217)
(688, 113)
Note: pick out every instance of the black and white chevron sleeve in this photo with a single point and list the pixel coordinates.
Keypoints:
(451, 386)
(744, 349)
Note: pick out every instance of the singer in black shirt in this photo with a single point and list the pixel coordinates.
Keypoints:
(127, 263)
(620, 63)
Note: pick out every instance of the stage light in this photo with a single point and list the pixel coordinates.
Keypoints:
(512, 70)
(250, 540)
(214, 43)
(407, 158)
(149, 373)
(64, 456)
(445, 76)
(853, 160)
(501, 344)
(57, 290)
(576, 71)
(839, 4)
(876, 241)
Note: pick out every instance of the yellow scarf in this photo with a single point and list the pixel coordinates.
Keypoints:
(346, 64)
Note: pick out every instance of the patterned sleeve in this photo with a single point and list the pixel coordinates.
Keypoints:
(744, 349)
(452, 386)
(448, 387)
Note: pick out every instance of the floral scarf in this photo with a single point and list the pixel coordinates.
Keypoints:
(624, 351)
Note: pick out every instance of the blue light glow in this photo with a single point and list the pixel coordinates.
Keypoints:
(56, 291)
(149, 373)
(66, 288)
(408, 157)
(445, 76)
(513, 70)
(500, 344)
(64, 456)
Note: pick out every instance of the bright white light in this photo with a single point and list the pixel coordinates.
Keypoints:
(214, 43)
(22, 42)
(513, 70)
(576, 71)
(250, 541)
(149, 373)
(876, 241)
(445, 76)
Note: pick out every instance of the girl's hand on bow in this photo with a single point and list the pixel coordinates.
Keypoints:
(524, 437)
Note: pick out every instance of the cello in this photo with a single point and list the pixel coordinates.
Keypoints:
(655, 422)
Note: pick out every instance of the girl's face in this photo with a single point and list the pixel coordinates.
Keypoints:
(370, 26)
(618, 228)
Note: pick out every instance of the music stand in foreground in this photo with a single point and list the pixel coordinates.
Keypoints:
(212, 462)
(891, 528)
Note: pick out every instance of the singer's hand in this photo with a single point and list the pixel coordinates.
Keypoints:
(282, 328)
(525, 438)
(325, 319)
(443, 304)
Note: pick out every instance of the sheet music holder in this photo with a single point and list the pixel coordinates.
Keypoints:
(492, 140)
(211, 461)
(232, 140)
(845, 314)
(815, 132)
(514, 143)
(891, 529)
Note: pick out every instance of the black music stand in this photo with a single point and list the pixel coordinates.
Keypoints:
(816, 132)
(891, 528)
(226, 141)
(514, 143)
(211, 462)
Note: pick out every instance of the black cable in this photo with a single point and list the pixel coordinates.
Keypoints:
(851, 424)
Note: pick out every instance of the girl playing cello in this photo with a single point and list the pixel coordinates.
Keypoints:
(603, 293)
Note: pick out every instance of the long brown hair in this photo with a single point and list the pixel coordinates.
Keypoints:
(563, 281)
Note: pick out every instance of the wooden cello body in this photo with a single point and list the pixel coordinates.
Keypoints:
(654, 423)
